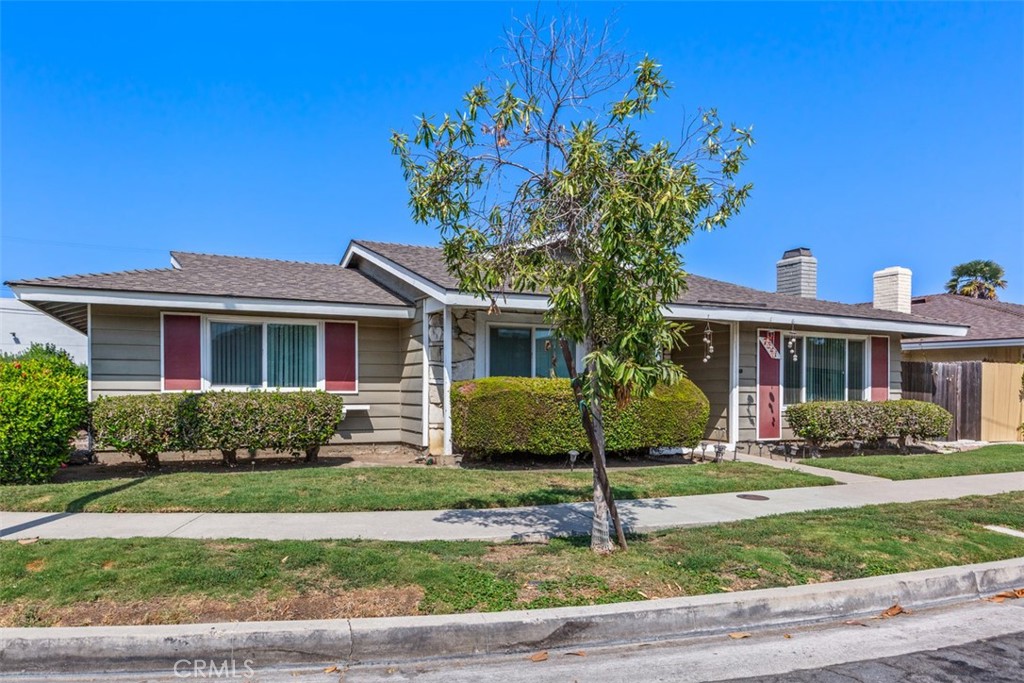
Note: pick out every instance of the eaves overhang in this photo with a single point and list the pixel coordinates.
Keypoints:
(68, 295)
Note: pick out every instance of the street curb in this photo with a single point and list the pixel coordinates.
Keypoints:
(157, 648)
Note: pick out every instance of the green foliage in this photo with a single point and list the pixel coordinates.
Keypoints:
(147, 425)
(978, 279)
(50, 355)
(536, 187)
(915, 420)
(539, 417)
(831, 421)
(43, 401)
(279, 421)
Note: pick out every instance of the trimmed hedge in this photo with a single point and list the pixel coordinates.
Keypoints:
(540, 417)
(831, 421)
(278, 421)
(147, 425)
(42, 404)
(150, 424)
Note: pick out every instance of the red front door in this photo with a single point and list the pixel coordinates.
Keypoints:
(769, 375)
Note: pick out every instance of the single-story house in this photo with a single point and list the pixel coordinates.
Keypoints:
(389, 329)
(996, 332)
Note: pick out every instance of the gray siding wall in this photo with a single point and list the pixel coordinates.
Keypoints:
(712, 377)
(381, 364)
(125, 345)
(748, 378)
(411, 349)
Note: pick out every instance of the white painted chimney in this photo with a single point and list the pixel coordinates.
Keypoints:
(892, 289)
(797, 274)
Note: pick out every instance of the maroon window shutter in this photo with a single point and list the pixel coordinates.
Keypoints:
(340, 356)
(181, 353)
(879, 368)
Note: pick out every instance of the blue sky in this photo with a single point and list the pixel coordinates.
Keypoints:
(888, 134)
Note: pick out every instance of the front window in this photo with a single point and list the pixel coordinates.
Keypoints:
(270, 355)
(236, 357)
(525, 352)
(823, 369)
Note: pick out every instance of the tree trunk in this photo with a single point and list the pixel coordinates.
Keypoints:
(311, 453)
(604, 503)
(151, 460)
(230, 458)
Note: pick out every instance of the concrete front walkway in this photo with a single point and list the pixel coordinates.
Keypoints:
(502, 524)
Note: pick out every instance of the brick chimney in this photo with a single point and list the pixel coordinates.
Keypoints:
(797, 273)
(892, 289)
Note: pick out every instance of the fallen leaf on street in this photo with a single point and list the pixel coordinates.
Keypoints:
(27, 541)
(739, 634)
(578, 653)
(894, 610)
(854, 622)
(539, 657)
(787, 635)
(1011, 594)
(331, 670)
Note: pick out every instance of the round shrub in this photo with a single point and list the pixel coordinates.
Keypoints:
(42, 403)
(146, 425)
(915, 420)
(540, 417)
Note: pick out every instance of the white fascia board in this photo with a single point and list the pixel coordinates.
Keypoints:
(782, 319)
(915, 345)
(389, 266)
(526, 302)
(208, 303)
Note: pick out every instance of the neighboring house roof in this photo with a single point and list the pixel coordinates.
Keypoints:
(702, 292)
(237, 276)
(992, 323)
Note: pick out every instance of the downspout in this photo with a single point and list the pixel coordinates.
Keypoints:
(425, 388)
(447, 387)
(733, 416)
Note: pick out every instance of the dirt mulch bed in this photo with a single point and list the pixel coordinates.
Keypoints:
(376, 602)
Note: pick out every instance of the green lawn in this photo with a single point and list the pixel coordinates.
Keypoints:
(333, 489)
(180, 580)
(986, 460)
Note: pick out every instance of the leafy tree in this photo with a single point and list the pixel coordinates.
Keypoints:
(541, 182)
(978, 279)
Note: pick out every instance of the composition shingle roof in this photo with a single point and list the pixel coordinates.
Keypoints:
(428, 262)
(238, 276)
(989, 320)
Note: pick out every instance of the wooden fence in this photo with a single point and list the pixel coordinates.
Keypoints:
(985, 398)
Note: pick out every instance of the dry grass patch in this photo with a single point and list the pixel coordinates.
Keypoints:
(188, 609)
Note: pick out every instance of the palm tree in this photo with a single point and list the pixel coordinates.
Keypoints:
(978, 279)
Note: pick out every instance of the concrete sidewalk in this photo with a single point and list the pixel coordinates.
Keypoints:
(501, 524)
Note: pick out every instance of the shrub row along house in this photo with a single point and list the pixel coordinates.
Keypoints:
(389, 329)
